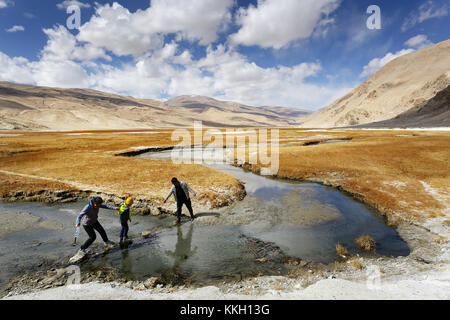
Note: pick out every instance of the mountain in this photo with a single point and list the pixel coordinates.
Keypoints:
(26, 107)
(434, 112)
(211, 110)
(400, 88)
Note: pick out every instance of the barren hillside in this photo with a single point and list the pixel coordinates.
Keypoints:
(403, 84)
(433, 112)
(27, 107)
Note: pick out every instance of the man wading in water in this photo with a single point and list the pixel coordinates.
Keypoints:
(180, 191)
(91, 223)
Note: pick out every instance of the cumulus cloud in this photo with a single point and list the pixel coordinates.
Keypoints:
(61, 63)
(15, 69)
(376, 64)
(419, 42)
(274, 23)
(200, 20)
(62, 45)
(67, 3)
(15, 29)
(66, 74)
(223, 74)
(115, 28)
(427, 10)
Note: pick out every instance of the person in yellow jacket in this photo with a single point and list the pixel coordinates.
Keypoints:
(125, 216)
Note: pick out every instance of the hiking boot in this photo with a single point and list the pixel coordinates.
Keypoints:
(121, 240)
(108, 243)
(192, 218)
(82, 251)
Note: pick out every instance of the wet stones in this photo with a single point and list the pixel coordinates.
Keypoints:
(262, 251)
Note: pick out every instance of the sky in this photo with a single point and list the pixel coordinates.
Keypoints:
(292, 53)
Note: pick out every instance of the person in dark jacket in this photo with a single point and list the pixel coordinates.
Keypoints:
(180, 191)
(91, 223)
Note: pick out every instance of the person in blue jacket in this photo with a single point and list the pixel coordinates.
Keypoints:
(91, 223)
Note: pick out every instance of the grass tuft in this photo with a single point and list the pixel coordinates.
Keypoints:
(341, 250)
(366, 243)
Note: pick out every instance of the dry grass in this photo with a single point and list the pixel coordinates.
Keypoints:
(341, 250)
(382, 169)
(356, 263)
(366, 243)
(441, 240)
(389, 170)
(88, 162)
(13, 183)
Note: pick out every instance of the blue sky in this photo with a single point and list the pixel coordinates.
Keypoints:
(298, 53)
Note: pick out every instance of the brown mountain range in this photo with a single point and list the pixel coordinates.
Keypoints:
(410, 90)
(26, 107)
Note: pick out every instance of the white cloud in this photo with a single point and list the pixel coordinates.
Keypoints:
(115, 28)
(15, 69)
(197, 20)
(223, 74)
(276, 23)
(376, 64)
(111, 28)
(5, 3)
(419, 42)
(67, 3)
(15, 29)
(29, 15)
(65, 74)
(62, 46)
(427, 10)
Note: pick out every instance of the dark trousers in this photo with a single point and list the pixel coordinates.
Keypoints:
(124, 231)
(90, 230)
(188, 205)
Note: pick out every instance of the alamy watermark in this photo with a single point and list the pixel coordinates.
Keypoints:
(74, 279)
(241, 146)
(374, 21)
(74, 20)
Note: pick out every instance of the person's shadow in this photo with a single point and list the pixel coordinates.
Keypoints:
(183, 248)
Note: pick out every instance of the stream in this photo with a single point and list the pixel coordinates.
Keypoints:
(276, 218)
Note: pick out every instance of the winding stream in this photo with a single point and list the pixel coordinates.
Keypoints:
(276, 218)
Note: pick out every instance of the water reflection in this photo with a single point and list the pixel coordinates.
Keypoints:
(126, 264)
(183, 248)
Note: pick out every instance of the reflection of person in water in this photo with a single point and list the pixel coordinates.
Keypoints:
(127, 265)
(183, 247)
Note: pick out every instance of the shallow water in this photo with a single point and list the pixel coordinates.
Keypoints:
(304, 220)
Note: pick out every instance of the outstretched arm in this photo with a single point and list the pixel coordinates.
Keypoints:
(81, 215)
(169, 194)
(105, 206)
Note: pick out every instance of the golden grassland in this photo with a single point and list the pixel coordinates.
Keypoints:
(57, 161)
(405, 174)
